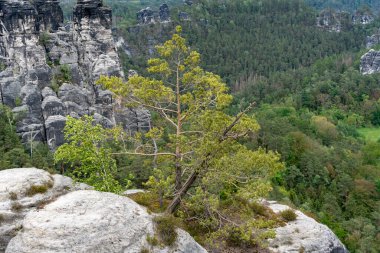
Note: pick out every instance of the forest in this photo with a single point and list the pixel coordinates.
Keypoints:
(316, 111)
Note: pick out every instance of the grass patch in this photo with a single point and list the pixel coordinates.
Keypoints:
(166, 229)
(288, 215)
(369, 133)
(37, 189)
(2, 218)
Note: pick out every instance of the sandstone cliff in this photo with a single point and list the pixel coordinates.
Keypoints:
(48, 69)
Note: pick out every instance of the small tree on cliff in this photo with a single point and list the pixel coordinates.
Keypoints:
(201, 141)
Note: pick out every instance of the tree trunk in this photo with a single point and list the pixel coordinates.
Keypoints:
(177, 200)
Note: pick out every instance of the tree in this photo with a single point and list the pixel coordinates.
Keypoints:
(87, 155)
(202, 141)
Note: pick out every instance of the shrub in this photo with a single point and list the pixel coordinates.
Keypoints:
(166, 229)
(258, 208)
(288, 215)
(12, 196)
(37, 189)
(239, 236)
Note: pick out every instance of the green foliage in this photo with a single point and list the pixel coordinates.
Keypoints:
(191, 102)
(44, 39)
(288, 215)
(87, 155)
(370, 134)
(166, 229)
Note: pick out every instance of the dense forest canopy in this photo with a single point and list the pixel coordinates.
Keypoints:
(345, 5)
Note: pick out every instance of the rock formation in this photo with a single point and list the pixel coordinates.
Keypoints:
(19, 195)
(49, 70)
(373, 40)
(362, 18)
(370, 62)
(148, 16)
(60, 219)
(303, 235)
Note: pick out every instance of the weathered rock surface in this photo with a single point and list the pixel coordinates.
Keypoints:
(304, 235)
(370, 62)
(48, 70)
(90, 221)
(17, 197)
(373, 40)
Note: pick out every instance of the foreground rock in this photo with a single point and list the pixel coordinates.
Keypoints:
(24, 190)
(370, 62)
(91, 221)
(304, 235)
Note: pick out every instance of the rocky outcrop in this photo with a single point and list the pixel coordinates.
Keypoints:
(148, 16)
(48, 71)
(373, 40)
(370, 62)
(24, 190)
(91, 221)
(333, 21)
(362, 18)
(303, 235)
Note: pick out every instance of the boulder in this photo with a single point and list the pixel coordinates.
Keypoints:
(303, 235)
(23, 190)
(91, 221)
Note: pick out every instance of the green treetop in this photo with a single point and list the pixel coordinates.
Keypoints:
(201, 140)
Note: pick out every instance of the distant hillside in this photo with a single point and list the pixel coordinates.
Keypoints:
(346, 5)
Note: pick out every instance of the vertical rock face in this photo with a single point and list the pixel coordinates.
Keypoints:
(48, 71)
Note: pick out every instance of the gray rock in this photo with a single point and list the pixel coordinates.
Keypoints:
(373, 40)
(54, 131)
(370, 62)
(304, 234)
(16, 200)
(90, 221)
(51, 106)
